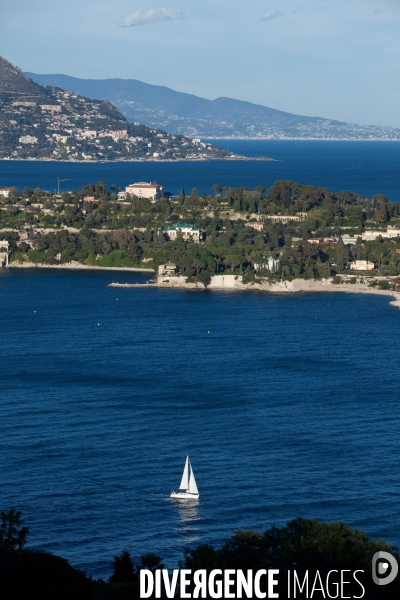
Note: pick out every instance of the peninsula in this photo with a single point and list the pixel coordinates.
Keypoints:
(289, 238)
(49, 123)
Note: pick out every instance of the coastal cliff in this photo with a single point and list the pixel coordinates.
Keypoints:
(234, 283)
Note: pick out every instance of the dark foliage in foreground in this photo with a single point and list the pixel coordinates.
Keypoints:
(301, 545)
(40, 575)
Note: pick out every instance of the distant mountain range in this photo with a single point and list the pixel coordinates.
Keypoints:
(189, 115)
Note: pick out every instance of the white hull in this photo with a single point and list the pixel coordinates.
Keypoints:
(184, 496)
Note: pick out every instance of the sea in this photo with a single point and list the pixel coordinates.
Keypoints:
(288, 405)
(366, 168)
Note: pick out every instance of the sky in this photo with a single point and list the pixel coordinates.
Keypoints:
(338, 59)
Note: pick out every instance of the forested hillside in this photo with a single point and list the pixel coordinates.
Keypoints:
(307, 232)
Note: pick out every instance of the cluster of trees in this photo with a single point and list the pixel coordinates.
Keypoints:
(111, 232)
(302, 545)
(290, 198)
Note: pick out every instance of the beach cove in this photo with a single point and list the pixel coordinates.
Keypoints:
(224, 282)
(234, 283)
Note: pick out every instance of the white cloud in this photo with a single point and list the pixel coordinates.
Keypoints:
(152, 16)
(271, 14)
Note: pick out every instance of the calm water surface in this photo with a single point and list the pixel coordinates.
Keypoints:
(367, 168)
(289, 407)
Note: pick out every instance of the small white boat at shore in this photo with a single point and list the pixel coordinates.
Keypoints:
(188, 488)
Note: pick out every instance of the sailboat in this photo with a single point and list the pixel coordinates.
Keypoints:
(188, 488)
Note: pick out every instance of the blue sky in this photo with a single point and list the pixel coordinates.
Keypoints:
(336, 58)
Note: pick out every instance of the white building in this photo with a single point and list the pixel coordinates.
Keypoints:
(53, 108)
(370, 234)
(167, 270)
(270, 264)
(28, 139)
(151, 191)
(258, 225)
(119, 134)
(283, 218)
(350, 240)
(5, 192)
(4, 246)
(188, 232)
(361, 265)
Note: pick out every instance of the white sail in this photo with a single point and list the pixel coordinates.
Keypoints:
(185, 477)
(192, 483)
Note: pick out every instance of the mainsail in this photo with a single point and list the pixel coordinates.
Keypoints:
(192, 483)
(185, 477)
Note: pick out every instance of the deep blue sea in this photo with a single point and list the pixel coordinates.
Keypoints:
(367, 168)
(289, 407)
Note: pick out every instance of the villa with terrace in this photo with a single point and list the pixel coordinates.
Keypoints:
(186, 231)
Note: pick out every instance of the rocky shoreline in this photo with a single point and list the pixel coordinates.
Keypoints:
(141, 160)
(229, 283)
(234, 283)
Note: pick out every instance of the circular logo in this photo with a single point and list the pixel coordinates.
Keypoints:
(381, 561)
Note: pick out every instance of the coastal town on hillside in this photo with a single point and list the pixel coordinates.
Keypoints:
(76, 129)
(51, 124)
(247, 237)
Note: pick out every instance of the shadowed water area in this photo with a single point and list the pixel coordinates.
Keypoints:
(288, 407)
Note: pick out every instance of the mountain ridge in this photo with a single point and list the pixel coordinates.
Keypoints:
(194, 116)
(51, 123)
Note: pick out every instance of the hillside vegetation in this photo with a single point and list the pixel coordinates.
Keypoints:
(307, 546)
(302, 230)
(49, 123)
